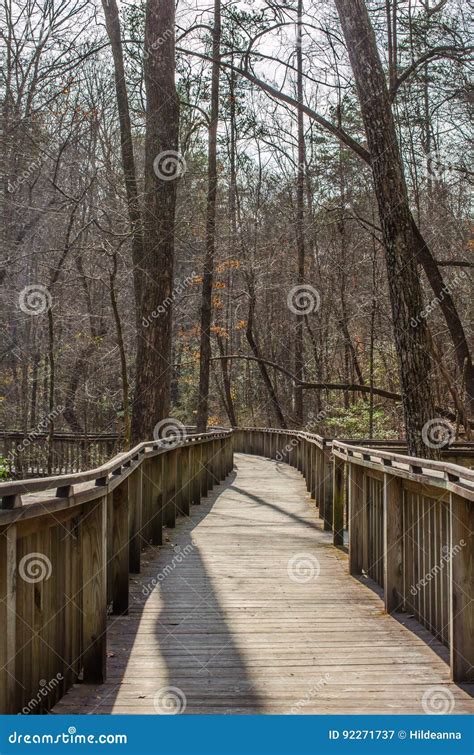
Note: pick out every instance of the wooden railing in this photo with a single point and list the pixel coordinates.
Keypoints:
(34, 454)
(69, 542)
(410, 524)
(67, 545)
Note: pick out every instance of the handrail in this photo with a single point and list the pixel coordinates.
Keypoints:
(99, 474)
(67, 548)
(452, 477)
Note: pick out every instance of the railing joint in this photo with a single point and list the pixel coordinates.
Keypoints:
(11, 501)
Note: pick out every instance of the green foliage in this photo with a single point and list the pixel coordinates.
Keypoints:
(354, 422)
(4, 470)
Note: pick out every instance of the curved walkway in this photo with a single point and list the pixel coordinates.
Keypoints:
(248, 608)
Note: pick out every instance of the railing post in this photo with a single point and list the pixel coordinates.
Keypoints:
(392, 542)
(202, 469)
(179, 491)
(461, 617)
(307, 471)
(156, 490)
(320, 481)
(356, 521)
(196, 473)
(94, 590)
(185, 478)
(120, 549)
(135, 518)
(314, 471)
(327, 489)
(8, 577)
(170, 488)
(338, 502)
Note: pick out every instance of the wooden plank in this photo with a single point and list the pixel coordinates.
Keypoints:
(392, 542)
(8, 577)
(338, 502)
(94, 591)
(120, 559)
(135, 519)
(357, 520)
(461, 618)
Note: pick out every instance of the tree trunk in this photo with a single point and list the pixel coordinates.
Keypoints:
(300, 245)
(397, 228)
(162, 169)
(208, 274)
(112, 24)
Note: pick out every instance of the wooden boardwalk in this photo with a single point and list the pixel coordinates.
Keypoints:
(249, 608)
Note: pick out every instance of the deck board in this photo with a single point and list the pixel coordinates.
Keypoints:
(231, 629)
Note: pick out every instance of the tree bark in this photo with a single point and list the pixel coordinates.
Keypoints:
(162, 169)
(398, 233)
(208, 274)
(112, 24)
(300, 242)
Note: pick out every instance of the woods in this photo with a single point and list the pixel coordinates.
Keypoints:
(237, 215)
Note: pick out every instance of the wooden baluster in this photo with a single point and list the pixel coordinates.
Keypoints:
(156, 490)
(170, 488)
(203, 470)
(338, 502)
(120, 549)
(327, 489)
(8, 577)
(357, 519)
(461, 609)
(94, 590)
(198, 472)
(135, 518)
(392, 542)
